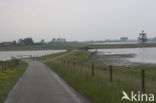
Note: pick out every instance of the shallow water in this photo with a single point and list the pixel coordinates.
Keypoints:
(115, 43)
(142, 55)
(6, 55)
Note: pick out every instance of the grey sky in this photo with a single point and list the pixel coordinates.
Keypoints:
(76, 19)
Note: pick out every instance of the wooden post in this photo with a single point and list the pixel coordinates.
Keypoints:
(63, 62)
(93, 69)
(9, 65)
(143, 80)
(0, 68)
(3, 67)
(67, 62)
(74, 64)
(111, 75)
(81, 67)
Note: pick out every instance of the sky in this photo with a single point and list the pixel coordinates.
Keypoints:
(76, 20)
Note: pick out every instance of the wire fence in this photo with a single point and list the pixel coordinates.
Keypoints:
(9, 64)
(138, 79)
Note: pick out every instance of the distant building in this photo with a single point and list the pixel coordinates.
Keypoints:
(153, 39)
(108, 40)
(60, 40)
(5, 44)
(54, 40)
(20, 41)
(124, 39)
(42, 41)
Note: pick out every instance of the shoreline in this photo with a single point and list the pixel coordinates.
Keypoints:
(118, 60)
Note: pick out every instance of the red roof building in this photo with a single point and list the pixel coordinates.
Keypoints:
(6, 43)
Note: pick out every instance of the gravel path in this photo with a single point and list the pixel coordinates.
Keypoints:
(39, 84)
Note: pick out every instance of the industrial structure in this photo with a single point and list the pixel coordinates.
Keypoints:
(142, 37)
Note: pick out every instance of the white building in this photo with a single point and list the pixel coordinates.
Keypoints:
(60, 40)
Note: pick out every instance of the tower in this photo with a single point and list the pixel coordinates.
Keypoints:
(142, 37)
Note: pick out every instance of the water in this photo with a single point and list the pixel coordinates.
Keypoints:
(6, 55)
(128, 42)
(142, 55)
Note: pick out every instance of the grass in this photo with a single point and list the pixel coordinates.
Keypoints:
(99, 88)
(9, 78)
(42, 58)
(74, 46)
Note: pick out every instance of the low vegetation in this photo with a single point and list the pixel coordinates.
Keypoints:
(93, 79)
(74, 46)
(9, 77)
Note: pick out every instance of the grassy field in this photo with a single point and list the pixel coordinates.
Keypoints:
(9, 77)
(74, 46)
(76, 69)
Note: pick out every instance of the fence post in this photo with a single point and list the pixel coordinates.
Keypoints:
(9, 64)
(93, 69)
(5, 66)
(67, 62)
(64, 62)
(143, 80)
(81, 67)
(74, 64)
(2, 67)
(111, 74)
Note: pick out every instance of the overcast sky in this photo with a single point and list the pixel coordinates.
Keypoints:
(76, 19)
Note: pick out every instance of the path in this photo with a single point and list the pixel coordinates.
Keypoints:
(39, 84)
(57, 57)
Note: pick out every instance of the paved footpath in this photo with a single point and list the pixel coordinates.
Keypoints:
(39, 84)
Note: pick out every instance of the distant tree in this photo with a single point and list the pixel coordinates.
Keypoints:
(14, 43)
(42, 41)
(28, 41)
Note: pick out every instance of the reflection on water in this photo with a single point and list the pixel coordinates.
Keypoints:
(142, 55)
(6, 55)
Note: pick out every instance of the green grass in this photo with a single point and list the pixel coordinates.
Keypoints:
(42, 58)
(74, 46)
(99, 88)
(9, 78)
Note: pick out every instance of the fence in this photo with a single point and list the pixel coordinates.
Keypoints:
(10, 64)
(137, 78)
